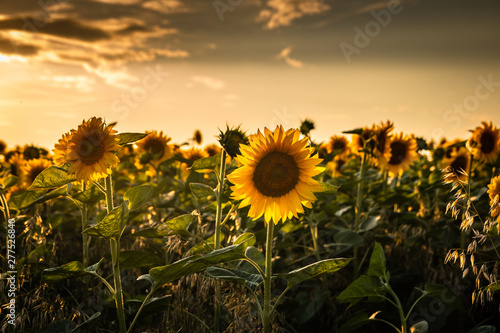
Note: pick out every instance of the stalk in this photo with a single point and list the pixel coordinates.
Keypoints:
(359, 209)
(266, 320)
(85, 236)
(115, 257)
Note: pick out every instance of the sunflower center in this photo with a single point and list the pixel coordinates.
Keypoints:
(460, 163)
(276, 174)
(91, 149)
(155, 147)
(338, 145)
(398, 153)
(487, 142)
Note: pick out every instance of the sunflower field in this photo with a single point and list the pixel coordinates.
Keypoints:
(373, 230)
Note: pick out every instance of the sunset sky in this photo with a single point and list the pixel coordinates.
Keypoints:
(432, 67)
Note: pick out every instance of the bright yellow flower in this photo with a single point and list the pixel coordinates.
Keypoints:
(339, 144)
(92, 150)
(154, 148)
(34, 168)
(403, 153)
(382, 149)
(494, 193)
(61, 150)
(485, 143)
(457, 163)
(275, 176)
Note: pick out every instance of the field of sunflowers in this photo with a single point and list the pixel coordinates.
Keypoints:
(371, 231)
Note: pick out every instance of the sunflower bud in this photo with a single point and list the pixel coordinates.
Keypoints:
(198, 137)
(231, 139)
(306, 126)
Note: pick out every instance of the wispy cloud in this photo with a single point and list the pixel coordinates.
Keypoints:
(209, 82)
(285, 55)
(283, 12)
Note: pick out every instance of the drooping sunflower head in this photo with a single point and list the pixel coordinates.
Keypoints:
(484, 143)
(359, 141)
(231, 139)
(403, 151)
(275, 176)
(457, 164)
(34, 168)
(212, 149)
(494, 193)
(198, 137)
(339, 145)
(61, 150)
(92, 149)
(382, 136)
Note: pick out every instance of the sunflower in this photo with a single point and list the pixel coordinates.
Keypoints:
(494, 193)
(339, 144)
(34, 168)
(212, 149)
(30, 152)
(3, 147)
(336, 165)
(382, 149)
(154, 148)
(457, 163)
(92, 150)
(403, 153)
(197, 137)
(17, 163)
(484, 142)
(193, 154)
(358, 140)
(61, 150)
(275, 176)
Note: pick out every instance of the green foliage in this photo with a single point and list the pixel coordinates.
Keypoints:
(127, 138)
(137, 196)
(315, 270)
(52, 177)
(112, 225)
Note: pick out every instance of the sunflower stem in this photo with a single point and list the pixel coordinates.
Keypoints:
(115, 258)
(266, 320)
(85, 236)
(217, 240)
(359, 209)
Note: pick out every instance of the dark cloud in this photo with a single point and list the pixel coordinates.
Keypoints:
(8, 46)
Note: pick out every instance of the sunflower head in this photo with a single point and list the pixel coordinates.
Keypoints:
(3, 147)
(212, 149)
(154, 148)
(61, 150)
(382, 136)
(360, 141)
(339, 145)
(457, 164)
(275, 176)
(193, 155)
(92, 149)
(494, 193)
(34, 168)
(306, 126)
(31, 152)
(403, 151)
(231, 139)
(484, 143)
(197, 137)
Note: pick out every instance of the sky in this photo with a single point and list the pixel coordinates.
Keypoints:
(431, 67)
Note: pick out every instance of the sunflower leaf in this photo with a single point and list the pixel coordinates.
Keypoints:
(52, 177)
(112, 225)
(138, 196)
(201, 190)
(364, 286)
(175, 226)
(24, 199)
(357, 131)
(10, 181)
(126, 138)
(327, 188)
(377, 262)
(206, 163)
(315, 270)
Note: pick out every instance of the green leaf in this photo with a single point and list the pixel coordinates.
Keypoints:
(86, 325)
(175, 226)
(90, 195)
(94, 267)
(126, 138)
(251, 280)
(484, 329)
(364, 286)
(348, 237)
(23, 199)
(327, 188)
(112, 225)
(377, 262)
(206, 246)
(190, 265)
(138, 196)
(256, 256)
(10, 181)
(357, 131)
(136, 259)
(52, 177)
(354, 323)
(247, 238)
(314, 270)
(206, 163)
(51, 195)
(370, 223)
(69, 270)
(201, 191)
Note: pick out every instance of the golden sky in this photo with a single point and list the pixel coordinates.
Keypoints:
(431, 67)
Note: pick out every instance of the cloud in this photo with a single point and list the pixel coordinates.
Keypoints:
(285, 55)
(167, 6)
(11, 46)
(209, 82)
(284, 12)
